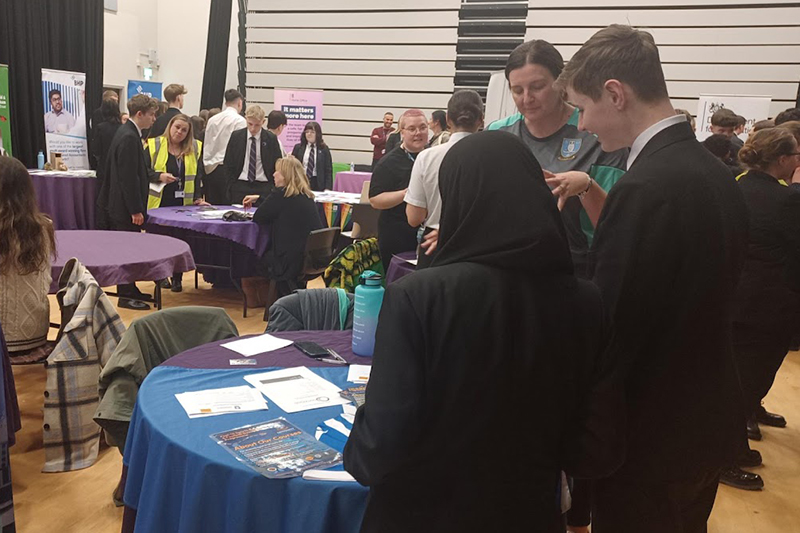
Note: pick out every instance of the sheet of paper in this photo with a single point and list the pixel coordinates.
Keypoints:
(221, 401)
(157, 187)
(412, 262)
(296, 389)
(258, 344)
(359, 373)
(327, 475)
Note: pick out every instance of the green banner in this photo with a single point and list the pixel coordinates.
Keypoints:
(5, 113)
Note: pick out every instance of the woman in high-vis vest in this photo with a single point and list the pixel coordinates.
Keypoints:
(176, 153)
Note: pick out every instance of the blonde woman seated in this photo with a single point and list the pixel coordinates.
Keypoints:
(291, 214)
(27, 244)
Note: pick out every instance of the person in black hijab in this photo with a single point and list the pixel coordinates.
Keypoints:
(481, 390)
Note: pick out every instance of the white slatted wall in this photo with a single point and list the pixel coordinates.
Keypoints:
(706, 46)
(370, 57)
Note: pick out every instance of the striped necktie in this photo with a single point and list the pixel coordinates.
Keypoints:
(312, 156)
(251, 168)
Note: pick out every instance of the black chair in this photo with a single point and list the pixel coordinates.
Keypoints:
(320, 250)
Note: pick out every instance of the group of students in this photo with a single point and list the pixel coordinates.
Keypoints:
(237, 160)
(499, 368)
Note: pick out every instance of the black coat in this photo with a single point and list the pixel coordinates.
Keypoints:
(235, 153)
(667, 255)
(324, 166)
(770, 285)
(290, 220)
(127, 173)
(102, 136)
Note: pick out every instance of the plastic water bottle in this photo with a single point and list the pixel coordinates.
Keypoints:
(40, 160)
(352, 167)
(369, 297)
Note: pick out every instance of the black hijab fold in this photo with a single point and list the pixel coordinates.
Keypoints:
(497, 209)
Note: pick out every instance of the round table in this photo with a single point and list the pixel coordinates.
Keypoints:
(400, 266)
(347, 181)
(180, 480)
(118, 257)
(67, 198)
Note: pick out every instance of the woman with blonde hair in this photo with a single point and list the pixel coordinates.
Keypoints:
(291, 214)
(767, 301)
(27, 245)
(174, 158)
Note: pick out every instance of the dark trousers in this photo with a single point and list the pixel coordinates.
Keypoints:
(632, 502)
(215, 186)
(242, 188)
(580, 514)
(394, 239)
(759, 353)
(126, 290)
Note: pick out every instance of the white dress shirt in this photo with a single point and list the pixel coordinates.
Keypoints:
(316, 158)
(647, 135)
(217, 134)
(423, 187)
(260, 176)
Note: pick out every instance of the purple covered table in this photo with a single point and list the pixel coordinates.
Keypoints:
(400, 266)
(178, 479)
(68, 199)
(118, 257)
(347, 181)
(217, 245)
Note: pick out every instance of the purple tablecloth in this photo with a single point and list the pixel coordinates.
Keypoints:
(212, 355)
(399, 266)
(115, 257)
(347, 181)
(68, 200)
(248, 234)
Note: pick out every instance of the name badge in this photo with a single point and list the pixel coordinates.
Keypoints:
(179, 194)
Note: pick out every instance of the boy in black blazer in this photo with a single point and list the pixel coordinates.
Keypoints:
(667, 254)
(250, 157)
(129, 182)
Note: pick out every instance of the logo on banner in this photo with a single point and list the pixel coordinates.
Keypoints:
(569, 149)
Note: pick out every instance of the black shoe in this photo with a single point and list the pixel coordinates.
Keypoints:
(741, 479)
(142, 297)
(770, 419)
(136, 305)
(165, 284)
(750, 459)
(177, 285)
(753, 431)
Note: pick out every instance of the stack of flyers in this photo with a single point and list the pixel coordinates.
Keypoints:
(354, 394)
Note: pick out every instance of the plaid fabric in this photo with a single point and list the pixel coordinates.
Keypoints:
(71, 437)
(344, 270)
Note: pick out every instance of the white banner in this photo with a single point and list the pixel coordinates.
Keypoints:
(65, 116)
(751, 107)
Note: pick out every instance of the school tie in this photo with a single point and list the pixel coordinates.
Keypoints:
(251, 168)
(312, 155)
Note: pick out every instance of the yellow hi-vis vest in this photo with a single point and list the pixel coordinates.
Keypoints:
(159, 152)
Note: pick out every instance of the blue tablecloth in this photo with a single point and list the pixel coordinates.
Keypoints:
(180, 480)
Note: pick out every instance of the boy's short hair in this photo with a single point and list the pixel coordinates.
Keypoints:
(617, 53)
(276, 119)
(719, 145)
(724, 118)
(793, 113)
(231, 95)
(255, 111)
(740, 121)
(173, 91)
(143, 103)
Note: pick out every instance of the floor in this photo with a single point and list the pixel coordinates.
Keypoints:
(81, 501)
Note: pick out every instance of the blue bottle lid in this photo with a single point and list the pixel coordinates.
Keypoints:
(370, 277)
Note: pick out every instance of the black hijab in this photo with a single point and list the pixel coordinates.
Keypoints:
(497, 209)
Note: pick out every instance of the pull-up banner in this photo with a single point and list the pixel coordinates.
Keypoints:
(300, 107)
(5, 114)
(63, 93)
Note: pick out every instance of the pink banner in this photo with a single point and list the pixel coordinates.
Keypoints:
(301, 107)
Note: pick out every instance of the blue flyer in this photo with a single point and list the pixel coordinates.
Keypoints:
(277, 449)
